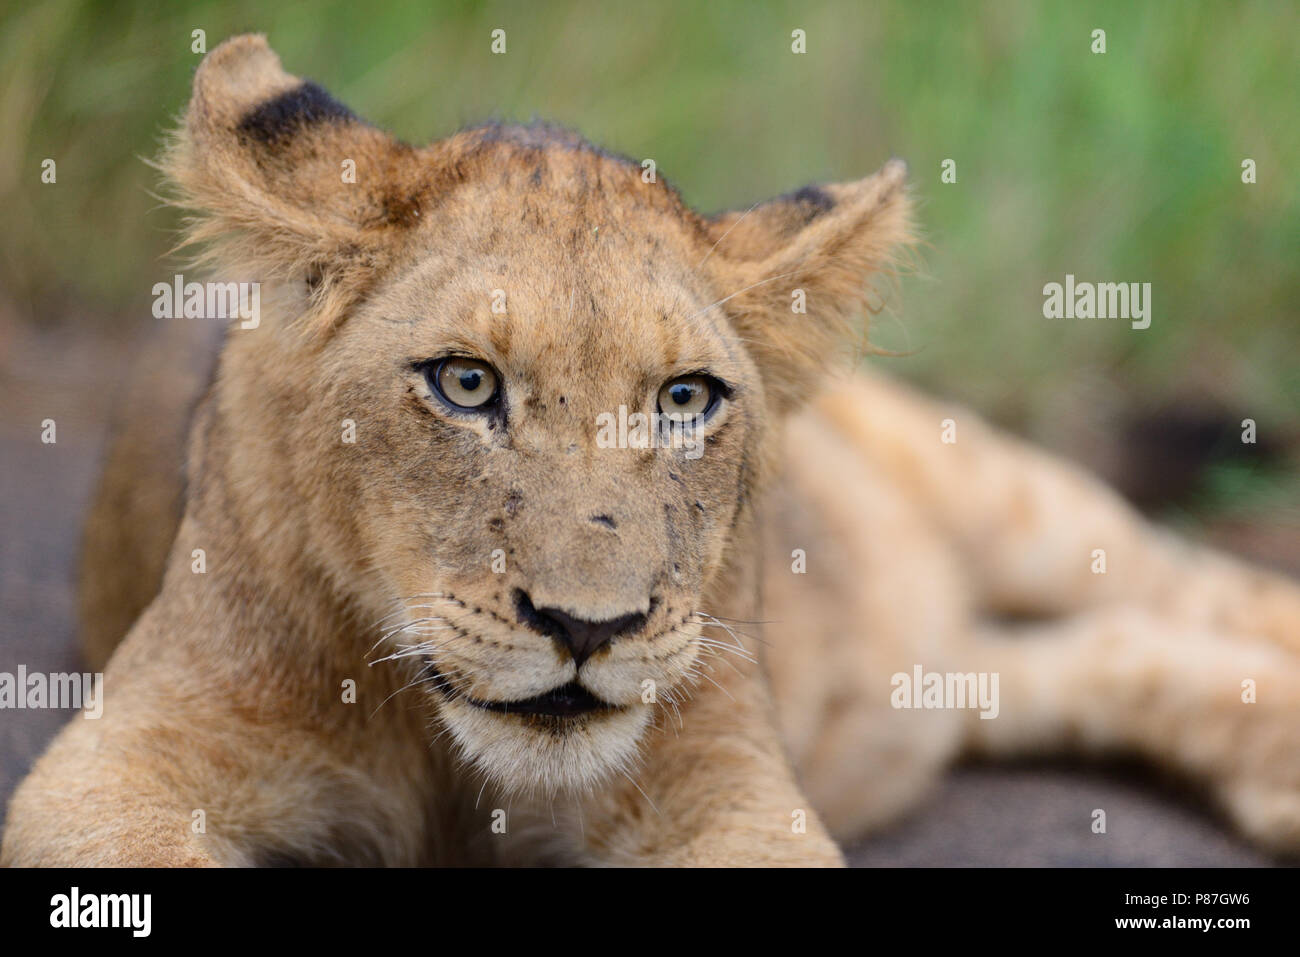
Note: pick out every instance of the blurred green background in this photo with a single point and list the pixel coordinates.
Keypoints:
(1122, 166)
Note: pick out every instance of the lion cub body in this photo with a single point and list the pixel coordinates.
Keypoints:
(334, 684)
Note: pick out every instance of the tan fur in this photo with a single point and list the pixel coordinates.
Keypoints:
(326, 558)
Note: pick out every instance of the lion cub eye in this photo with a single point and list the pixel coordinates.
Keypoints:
(688, 396)
(464, 383)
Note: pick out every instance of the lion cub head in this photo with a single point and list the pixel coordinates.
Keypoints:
(508, 395)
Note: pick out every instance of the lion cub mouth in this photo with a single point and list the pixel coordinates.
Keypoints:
(562, 702)
(566, 701)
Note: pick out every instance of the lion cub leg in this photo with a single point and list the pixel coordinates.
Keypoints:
(714, 788)
(139, 791)
(199, 758)
(88, 804)
(858, 588)
(1038, 536)
(135, 790)
(1219, 707)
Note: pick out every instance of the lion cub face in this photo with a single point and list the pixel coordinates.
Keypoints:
(556, 385)
(554, 435)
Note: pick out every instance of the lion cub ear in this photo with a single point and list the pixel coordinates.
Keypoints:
(285, 182)
(798, 272)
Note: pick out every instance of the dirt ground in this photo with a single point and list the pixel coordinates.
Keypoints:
(1015, 816)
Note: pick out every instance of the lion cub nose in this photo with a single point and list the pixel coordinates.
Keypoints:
(581, 637)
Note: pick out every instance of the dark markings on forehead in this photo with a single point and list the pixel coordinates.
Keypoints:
(531, 152)
(282, 117)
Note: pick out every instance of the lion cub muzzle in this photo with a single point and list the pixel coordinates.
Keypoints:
(579, 636)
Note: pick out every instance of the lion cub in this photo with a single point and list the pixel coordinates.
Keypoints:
(443, 615)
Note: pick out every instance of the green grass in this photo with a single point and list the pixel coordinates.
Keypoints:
(1123, 166)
